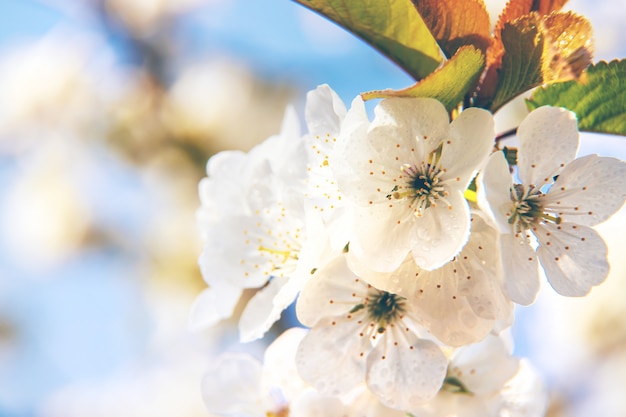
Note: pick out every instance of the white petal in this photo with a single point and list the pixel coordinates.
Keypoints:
(226, 193)
(332, 291)
(279, 366)
(286, 153)
(484, 367)
(441, 232)
(378, 241)
(423, 120)
(445, 312)
(313, 404)
(494, 191)
(231, 386)
(460, 302)
(332, 356)
(339, 224)
(212, 305)
(288, 159)
(397, 281)
(231, 253)
(259, 189)
(589, 190)
(261, 312)
(391, 148)
(471, 140)
(480, 259)
(356, 115)
(521, 269)
(448, 404)
(316, 250)
(356, 165)
(290, 126)
(367, 405)
(549, 140)
(525, 394)
(405, 375)
(323, 192)
(324, 111)
(574, 257)
(222, 163)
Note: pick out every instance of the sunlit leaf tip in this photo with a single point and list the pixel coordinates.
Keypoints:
(449, 84)
(540, 50)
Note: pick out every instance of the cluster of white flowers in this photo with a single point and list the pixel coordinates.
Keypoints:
(406, 282)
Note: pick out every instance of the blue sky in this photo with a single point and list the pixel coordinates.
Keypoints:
(269, 36)
(80, 320)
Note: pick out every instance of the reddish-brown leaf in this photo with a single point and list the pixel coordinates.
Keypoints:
(513, 10)
(569, 46)
(540, 50)
(454, 26)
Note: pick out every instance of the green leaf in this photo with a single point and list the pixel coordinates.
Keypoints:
(448, 84)
(394, 28)
(598, 98)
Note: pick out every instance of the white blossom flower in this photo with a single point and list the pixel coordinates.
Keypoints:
(362, 402)
(406, 173)
(485, 380)
(251, 224)
(239, 385)
(461, 302)
(324, 115)
(213, 304)
(556, 202)
(361, 333)
(257, 232)
(525, 394)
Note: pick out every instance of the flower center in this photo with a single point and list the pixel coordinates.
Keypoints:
(384, 308)
(279, 262)
(424, 183)
(284, 254)
(423, 187)
(528, 209)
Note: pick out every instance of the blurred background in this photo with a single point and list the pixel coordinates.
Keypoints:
(109, 110)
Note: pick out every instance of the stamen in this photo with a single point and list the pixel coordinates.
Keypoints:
(553, 219)
(528, 209)
(284, 253)
(384, 308)
(423, 185)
